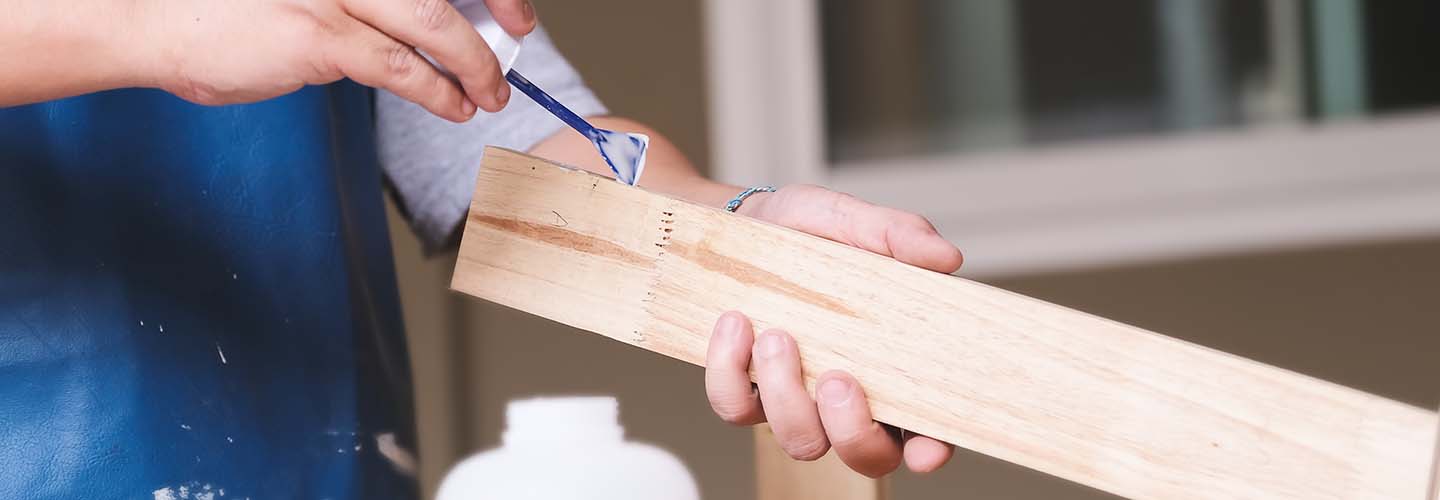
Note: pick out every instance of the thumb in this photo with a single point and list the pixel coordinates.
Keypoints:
(913, 240)
(516, 16)
(905, 236)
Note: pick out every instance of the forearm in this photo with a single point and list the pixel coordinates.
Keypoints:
(53, 49)
(667, 170)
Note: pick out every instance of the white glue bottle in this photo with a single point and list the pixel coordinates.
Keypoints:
(506, 47)
(572, 449)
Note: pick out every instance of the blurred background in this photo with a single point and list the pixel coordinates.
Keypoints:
(1261, 177)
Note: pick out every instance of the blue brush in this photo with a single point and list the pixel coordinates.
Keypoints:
(625, 152)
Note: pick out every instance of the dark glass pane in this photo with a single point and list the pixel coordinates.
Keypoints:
(918, 77)
(1404, 54)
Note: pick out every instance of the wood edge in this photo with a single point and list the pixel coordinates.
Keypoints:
(1434, 488)
(486, 156)
(670, 198)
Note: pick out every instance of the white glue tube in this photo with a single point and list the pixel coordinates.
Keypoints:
(624, 152)
(506, 47)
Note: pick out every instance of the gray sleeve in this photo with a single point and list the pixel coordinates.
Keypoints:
(432, 162)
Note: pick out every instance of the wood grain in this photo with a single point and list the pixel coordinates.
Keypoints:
(779, 477)
(1094, 401)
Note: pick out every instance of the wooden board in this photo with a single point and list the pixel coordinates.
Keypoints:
(1435, 473)
(1101, 403)
(779, 477)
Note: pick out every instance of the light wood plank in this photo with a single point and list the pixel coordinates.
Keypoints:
(1101, 403)
(779, 477)
(1435, 473)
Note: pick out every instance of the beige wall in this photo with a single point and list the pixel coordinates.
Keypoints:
(664, 86)
(1364, 315)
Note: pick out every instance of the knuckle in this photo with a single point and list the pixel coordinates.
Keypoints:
(311, 21)
(918, 221)
(731, 409)
(196, 91)
(806, 448)
(323, 26)
(432, 14)
(320, 29)
(732, 416)
(837, 204)
(400, 60)
(441, 86)
(849, 439)
(324, 68)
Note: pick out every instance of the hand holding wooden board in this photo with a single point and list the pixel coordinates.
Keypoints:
(1097, 402)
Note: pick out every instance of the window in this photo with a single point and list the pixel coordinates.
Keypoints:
(1044, 135)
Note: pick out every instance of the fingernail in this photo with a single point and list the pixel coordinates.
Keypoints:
(503, 94)
(529, 11)
(729, 325)
(835, 392)
(771, 345)
(467, 108)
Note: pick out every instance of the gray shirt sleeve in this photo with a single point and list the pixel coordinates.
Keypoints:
(432, 162)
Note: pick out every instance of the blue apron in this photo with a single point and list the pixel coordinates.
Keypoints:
(196, 299)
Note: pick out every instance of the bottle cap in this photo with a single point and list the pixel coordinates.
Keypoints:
(562, 420)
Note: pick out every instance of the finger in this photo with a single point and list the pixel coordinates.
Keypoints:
(913, 240)
(372, 58)
(727, 371)
(862, 443)
(788, 407)
(907, 237)
(516, 16)
(925, 454)
(435, 27)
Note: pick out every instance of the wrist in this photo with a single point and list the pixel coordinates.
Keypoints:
(128, 41)
(719, 194)
(54, 50)
(754, 205)
(696, 189)
(740, 198)
(747, 201)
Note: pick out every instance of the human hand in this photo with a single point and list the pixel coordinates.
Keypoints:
(223, 52)
(841, 419)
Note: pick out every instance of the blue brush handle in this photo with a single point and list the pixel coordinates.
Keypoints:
(559, 110)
